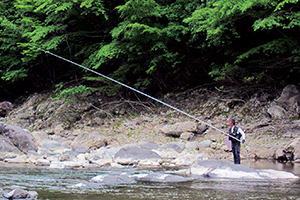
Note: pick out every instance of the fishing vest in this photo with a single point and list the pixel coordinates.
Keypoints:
(234, 133)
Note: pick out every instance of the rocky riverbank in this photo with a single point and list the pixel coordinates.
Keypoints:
(88, 132)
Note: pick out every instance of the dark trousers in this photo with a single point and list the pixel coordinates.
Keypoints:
(236, 146)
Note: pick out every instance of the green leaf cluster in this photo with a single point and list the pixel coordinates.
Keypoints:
(71, 93)
(153, 45)
(257, 38)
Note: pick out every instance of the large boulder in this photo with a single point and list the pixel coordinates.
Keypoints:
(7, 146)
(113, 179)
(292, 151)
(134, 154)
(161, 177)
(226, 169)
(92, 140)
(20, 194)
(287, 105)
(5, 107)
(80, 148)
(18, 137)
(175, 130)
(53, 145)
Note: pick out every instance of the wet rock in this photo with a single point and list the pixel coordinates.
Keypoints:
(113, 179)
(42, 162)
(162, 177)
(294, 147)
(280, 156)
(20, 194)
(289, 153)
(21, 159)
(226, 169)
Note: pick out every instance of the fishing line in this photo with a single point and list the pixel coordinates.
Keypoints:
(131, 88)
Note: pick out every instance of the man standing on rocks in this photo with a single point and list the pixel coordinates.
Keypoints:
(239, 134)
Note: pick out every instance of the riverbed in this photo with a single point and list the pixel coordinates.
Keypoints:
(57, 184)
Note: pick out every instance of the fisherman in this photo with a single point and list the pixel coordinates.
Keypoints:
(238, 133)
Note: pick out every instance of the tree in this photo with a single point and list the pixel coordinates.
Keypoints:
(12, 69)
(70, 28)
(148, 45)
(257, 39)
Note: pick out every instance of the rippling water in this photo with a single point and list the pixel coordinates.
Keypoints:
(53, 184)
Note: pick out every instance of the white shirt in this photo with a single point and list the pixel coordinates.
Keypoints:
(239, 131)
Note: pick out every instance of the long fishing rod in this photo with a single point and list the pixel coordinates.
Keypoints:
(170, 106)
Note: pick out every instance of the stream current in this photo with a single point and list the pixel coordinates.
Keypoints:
(55, 185)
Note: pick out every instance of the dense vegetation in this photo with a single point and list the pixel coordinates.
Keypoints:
(157, 46)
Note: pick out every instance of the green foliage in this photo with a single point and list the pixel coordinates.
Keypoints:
(71, 93)
(68, 28)
(141, 43)
(224, 23)
(11, 68)
(164, 44)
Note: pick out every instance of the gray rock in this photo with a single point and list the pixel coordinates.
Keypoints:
(5, 107)
(20, 194)
(19, 138)
(92, 140)
(54, 145)
(226, 169)
(113, 179)
(177, 146)
(175, 130)
(80, 148)
(161, 177)
(295, 145)
(277, 112)
(68, 156)
(201, 129)
(148, 145)
(133, 154)
(290, 100)
(187, 136)
(7, 146)
(191, 145)
(204, 143)
(42, 162)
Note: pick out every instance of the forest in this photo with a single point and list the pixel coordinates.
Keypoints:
(155, 46)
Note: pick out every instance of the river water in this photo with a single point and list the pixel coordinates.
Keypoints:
(54, 184)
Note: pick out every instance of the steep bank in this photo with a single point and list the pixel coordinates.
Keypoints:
(269, 120)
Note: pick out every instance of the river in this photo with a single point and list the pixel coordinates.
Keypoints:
(54, 185)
